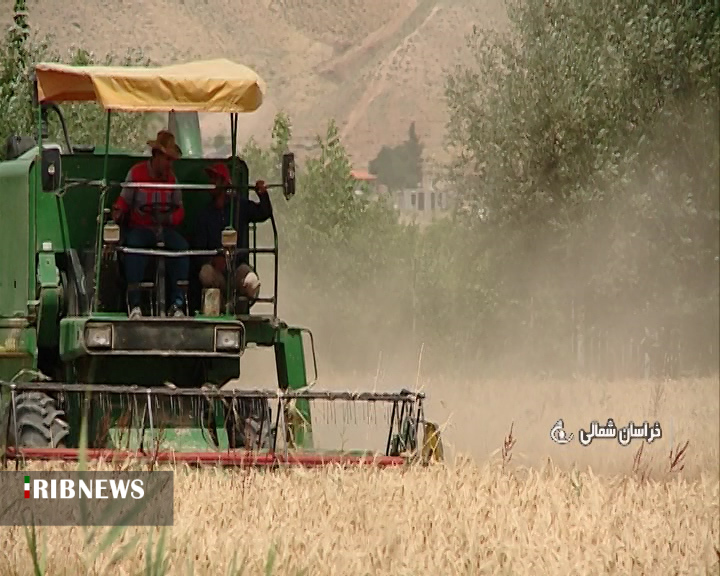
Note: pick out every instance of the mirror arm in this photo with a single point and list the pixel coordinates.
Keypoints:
(55, 108)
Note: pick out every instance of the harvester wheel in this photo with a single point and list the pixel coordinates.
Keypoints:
(40, 424)
(244, 425)
(70, 296)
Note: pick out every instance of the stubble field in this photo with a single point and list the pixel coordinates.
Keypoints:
(500, 505)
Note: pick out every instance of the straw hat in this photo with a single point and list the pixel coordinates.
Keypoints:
(165, 142)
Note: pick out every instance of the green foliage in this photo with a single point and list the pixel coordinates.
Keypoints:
(399, 167)
(585, 162)
(588, 140)
(340, 252)
(85, 121)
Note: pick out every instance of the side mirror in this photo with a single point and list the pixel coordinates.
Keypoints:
(51, 168)
(288, 174)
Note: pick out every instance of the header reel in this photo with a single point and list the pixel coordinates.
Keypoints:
(227, 428)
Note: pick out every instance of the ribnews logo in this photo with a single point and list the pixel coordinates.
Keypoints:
(68, 488)
(87, 498)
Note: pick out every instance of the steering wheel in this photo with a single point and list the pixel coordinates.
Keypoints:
(157, 208)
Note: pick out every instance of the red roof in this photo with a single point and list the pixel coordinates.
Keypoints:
(362, 175)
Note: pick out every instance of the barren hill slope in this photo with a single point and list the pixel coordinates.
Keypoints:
(373, 65)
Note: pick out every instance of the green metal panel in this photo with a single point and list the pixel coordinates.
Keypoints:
(18, 347)
(16, 264)
(49, 305)
(261, 330)
(51, 224)
(72, 347)
(81, 202)
(290, 362)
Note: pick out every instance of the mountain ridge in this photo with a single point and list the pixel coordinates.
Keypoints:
(374, 66)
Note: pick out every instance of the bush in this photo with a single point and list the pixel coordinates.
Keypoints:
(587, 139)
(85, 121)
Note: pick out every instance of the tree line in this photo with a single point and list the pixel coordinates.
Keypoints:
(585, 237)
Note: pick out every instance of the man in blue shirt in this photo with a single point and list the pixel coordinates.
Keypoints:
(214, 219)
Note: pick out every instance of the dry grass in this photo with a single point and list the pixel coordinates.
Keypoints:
(460, 520)
(496, 515)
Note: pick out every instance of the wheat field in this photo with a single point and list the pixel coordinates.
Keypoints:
(525, 507)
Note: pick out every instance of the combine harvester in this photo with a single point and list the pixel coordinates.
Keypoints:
(76, 372)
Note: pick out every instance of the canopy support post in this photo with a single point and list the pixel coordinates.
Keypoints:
(233, 156)
(32, 248)
(233, 174)
(101, 213)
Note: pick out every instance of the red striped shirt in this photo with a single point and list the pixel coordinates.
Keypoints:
(132, 199)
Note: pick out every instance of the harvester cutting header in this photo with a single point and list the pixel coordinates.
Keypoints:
(126, 297)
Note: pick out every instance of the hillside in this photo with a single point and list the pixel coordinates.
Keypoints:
(373, 65)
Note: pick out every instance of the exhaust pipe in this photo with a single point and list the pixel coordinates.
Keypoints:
(185, 126)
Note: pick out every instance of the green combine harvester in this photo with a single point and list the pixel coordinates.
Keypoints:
(76, 371)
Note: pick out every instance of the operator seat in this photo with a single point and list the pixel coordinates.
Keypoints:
(147, 287)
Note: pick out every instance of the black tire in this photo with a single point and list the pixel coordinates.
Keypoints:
(243, 427)
(40, 424)
(72, 304)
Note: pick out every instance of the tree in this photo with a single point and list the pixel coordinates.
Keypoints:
(86, 122)
(399, 167)
(413, 153)
(220, 144)
(339, 252)
(588, 137)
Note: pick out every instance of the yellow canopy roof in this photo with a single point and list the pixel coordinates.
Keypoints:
(203, 86)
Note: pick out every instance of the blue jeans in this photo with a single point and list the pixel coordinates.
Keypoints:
(177, 268)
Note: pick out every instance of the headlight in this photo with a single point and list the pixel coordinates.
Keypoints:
(227, 339)
(98, 336)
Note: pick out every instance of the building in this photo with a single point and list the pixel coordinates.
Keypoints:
(423, 204)
(365, 180)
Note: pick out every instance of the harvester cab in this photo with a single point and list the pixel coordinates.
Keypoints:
(76, 371)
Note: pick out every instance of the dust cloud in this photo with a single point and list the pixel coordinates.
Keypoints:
(476, 411)
(476, 414)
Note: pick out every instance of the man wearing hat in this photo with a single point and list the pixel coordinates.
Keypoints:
(140, 224)
(214, 218)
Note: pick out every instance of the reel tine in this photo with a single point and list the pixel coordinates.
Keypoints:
(150, 417)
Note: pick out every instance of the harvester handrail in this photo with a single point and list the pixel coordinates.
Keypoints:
(152, 185)
(179, 253)
(170, 253)
(404, 396)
